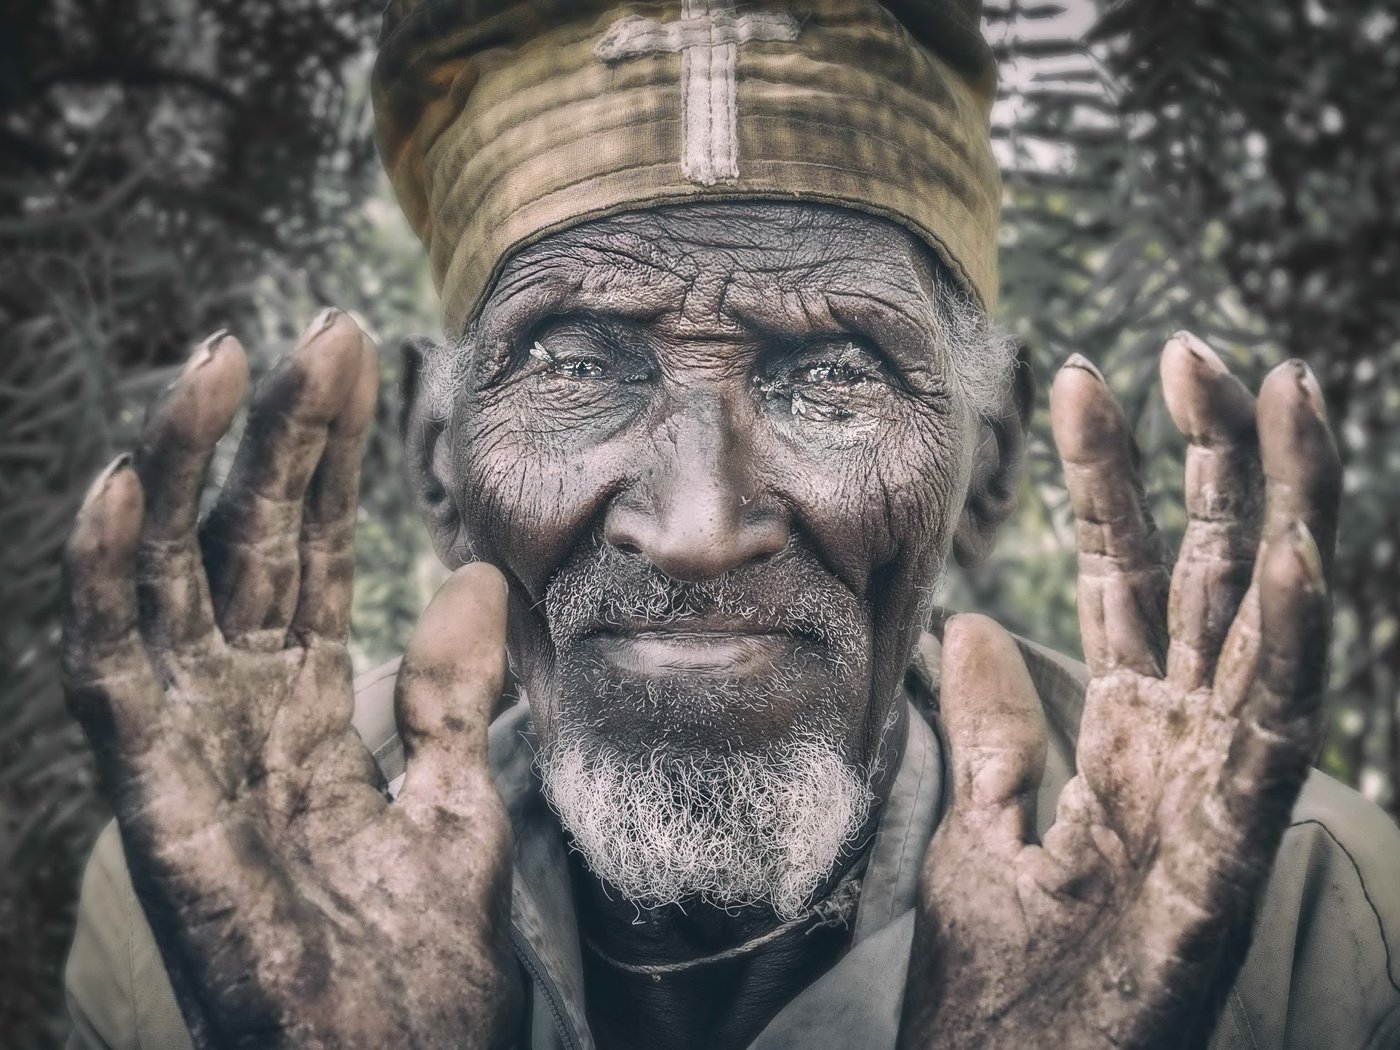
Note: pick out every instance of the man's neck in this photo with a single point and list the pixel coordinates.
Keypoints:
(693, 976)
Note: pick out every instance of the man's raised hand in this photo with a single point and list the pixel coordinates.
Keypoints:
(1202, 717)
(293, 904)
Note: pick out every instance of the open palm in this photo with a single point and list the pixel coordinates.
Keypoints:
(294, 905)
(1199, 725)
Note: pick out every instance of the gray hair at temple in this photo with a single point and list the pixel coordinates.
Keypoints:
(981, 356)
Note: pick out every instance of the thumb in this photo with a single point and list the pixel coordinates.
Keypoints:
(996, 731)
(452, 674)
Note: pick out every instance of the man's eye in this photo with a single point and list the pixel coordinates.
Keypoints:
(830, 374)
(580, 368)
(832, 384)
(576, 365)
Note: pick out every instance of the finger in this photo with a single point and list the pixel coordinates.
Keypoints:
(108, 680)
(1122, 587)
(250, 540)
(1302, 485)
(1215, 413)
(1274, 665)
(328, 525)
(1280, 716)
(164, 796)
(452, 674)
(1209, 870)
(177, 443)
(1302, 469)
(996, 731)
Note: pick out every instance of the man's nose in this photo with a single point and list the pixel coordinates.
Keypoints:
(695, 512)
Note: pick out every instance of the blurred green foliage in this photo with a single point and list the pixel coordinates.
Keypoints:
(1231, 169)
(169, 167)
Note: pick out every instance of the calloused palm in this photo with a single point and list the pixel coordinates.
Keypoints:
(1201, 719)
(293, 903)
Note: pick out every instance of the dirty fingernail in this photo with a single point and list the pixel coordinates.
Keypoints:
(121, 462)
(1200, 351)
(204, 352)
(1081, 362)
(100, 483)
(1309, 384)
(319, 324)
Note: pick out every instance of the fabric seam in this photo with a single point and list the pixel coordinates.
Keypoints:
(131, 960)
(1243, 1015)
(909, 827)
(1365, 892)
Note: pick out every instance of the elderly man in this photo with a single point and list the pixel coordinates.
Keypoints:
(721, 399)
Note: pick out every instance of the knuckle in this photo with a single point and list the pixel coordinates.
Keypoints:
(330, 537)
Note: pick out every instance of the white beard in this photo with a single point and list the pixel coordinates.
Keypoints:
(730, 830)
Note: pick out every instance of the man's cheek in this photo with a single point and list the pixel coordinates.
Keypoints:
(525, 504)
(887, 505)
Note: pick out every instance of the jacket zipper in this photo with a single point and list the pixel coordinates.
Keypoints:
(531, 962)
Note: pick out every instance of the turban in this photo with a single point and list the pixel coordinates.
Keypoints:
(501, 121)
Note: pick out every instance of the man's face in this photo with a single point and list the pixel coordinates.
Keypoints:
(716, 452)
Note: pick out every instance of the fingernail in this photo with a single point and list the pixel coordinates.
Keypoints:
(1200, 351)
(204, 352)
(100, 483)
(1081, 362)
(120, 463)
(319, 324)
(1308, 382)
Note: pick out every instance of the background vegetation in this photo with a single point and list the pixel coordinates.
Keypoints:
(168, 167)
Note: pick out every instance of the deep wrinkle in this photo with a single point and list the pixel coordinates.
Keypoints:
(709, 315)
(649, 401)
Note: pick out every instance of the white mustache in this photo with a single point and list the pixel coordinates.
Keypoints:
(791, 593)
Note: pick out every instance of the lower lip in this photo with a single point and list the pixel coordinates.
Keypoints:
(660, 653)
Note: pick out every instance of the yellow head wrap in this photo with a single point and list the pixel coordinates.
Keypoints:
(501, 121)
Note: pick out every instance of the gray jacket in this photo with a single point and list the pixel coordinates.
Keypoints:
(1322, 973)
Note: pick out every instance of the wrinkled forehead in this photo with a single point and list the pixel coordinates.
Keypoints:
(659, 258)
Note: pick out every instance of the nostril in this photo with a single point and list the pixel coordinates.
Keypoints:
(696, 529)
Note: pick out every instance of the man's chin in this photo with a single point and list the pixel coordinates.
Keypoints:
(672, 825)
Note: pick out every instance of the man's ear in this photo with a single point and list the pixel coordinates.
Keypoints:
(426, 455)
(996, 466)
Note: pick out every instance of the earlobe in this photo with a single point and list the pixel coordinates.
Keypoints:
(426, 456)
(996, 467)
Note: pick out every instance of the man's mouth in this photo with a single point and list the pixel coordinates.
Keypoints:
(731, 648)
